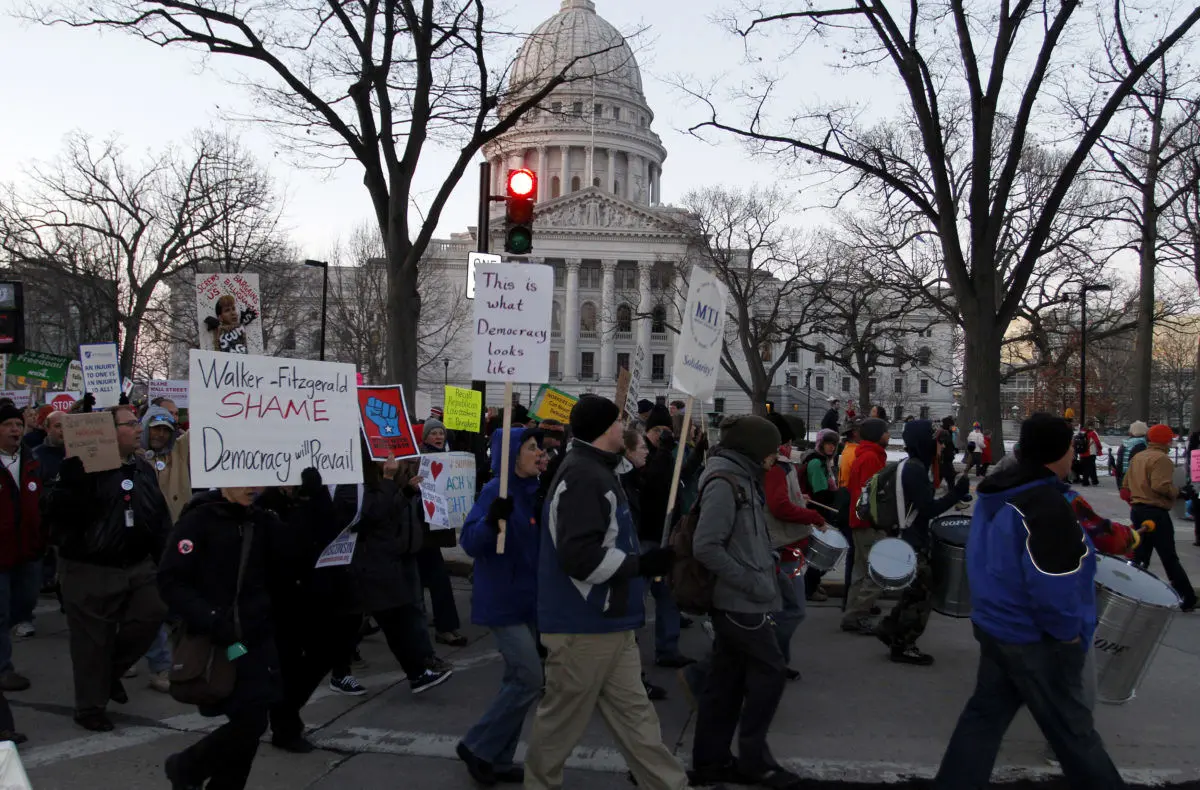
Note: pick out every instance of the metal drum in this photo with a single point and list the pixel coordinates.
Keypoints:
(1134, 608)
(892, 564)
(826, 549)
(948, 564)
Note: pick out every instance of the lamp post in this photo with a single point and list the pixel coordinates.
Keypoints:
(445, 371)
(807, 402)
(1083, 349)
(324, 267)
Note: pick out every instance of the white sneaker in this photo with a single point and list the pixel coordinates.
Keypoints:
(24, 630)
(132, 672)
(348, 685)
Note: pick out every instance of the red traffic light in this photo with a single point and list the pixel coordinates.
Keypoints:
(522, 183)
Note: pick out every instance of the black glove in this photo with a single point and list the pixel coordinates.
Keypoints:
(71, 473)
(499, 510)
(123, 400)
(248, 315)
(211, 323)
(89, 402)
(310, 482)
(222, 633)
(962, 487)
(656, 562)
(666, 441)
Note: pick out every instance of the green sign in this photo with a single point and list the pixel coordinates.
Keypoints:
(49, 368)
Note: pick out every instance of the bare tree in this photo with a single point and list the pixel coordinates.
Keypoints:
(370, 82)
(1174, 376)
(136, 223)
(955, 165)
(1184, 245)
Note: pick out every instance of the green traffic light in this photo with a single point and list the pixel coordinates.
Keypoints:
(519, 241)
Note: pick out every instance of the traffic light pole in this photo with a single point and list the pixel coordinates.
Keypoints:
(485, 203)
(479, 443)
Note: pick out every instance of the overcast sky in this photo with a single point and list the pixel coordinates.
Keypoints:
(57, 80)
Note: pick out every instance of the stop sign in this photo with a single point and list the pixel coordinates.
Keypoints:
(63, 402)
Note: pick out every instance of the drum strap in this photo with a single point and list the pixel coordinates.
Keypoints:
(903, 517)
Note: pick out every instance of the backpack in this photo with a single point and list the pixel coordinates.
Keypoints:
(691, 583)
(1080, 443)
(881, 502)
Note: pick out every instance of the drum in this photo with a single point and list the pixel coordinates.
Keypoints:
(1134, 609)
(826, 549)
(892, 564)
(948, 565)
(792, 561)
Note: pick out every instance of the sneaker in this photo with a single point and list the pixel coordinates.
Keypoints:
(777, 779)
(11, 681)
(860, 626)
(297, 745)
(655, 693)
(428, 679)
(117, 693)
(911, 655)
(160, 682)
(348, 685)
(791, 674)
(132, 672)
(707, 775)
(819, 595)
(24, 631)
(451, 638)
(707, 627)
(480, 770)
(96, 722)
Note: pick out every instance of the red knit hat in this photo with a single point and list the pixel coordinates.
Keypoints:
(1160, 434)
(42, 414)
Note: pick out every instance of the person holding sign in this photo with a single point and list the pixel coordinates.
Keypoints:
(591, 589)
(504, 599)
(110, 527)
(430, 562)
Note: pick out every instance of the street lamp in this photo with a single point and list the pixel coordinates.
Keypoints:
(324, 267)
(1100, 287)
(445, 371)
(807, 403)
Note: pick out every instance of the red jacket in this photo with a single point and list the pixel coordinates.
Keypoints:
(780, 504)
(21, 538)
(987, 450)
(869, 459)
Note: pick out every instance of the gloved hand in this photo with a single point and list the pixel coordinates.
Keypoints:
(71, 473)
(666, 441)
(656, 562)
(310, 482)
(248, 315)
(962, 487)
(499, 510)
(210, 322)
(223, 633)
(89, 402)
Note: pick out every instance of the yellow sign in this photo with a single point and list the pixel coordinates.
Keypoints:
(554, 404)
(462, 410)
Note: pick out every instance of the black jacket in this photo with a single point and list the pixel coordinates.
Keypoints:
(918, 488)
(384, 568)
(304, 526)
(87, 521)
(49, 458)
(830, 420)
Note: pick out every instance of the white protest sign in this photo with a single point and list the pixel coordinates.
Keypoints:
(511, 324)
(101, 374)
(20, 398)
(75, 376)
(635, 381)
(473, 261)
(175, 390)
(229, 308)
(340, 551)
(260, 421)
(422, 405)
(701, 336)
(447, 488)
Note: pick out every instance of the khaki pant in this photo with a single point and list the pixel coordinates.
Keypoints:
(589, 671)
(113, 615)
(864, 592)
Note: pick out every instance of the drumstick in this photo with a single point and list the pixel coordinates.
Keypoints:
(823, 507)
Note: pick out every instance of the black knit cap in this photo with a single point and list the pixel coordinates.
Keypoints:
(781, 424)
(1044, 439)
(659, 417)
(10, 413)
(592, 416)
(872, 429)
(752, 436)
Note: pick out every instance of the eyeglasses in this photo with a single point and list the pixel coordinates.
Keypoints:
(128, 424)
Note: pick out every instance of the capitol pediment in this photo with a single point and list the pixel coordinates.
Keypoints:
(595, 210)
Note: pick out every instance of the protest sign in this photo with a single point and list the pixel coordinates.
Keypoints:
(20, 398)
(553, 404)
(512, 322)
(462, 409)
(63, 401)
(340, 551)
(3, 370)
(1195, 468)
(422, 405)
(633, 394)
(93, 438)
(624, 378)
(473, 261)
(101, 373)
(47, 368)
(260, 421)
(447, 488)
(175, 390)
(74, 382)
(228, 306)
(701, 336)
(383, 416)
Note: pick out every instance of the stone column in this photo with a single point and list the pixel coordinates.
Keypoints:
(655, 194)
(612, 171)
(543, 176)
(645, 305)
(590, 170)
(570, 330)
(565, 175)
(608, 320)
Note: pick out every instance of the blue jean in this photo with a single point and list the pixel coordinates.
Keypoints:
(666, 620)
(795, 608)
(494, 737)
(1047, 677)
(19, 587)
(158, 657)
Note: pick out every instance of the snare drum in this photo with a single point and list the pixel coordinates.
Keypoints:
(826, 549)
(1134, 609)
(892, 564)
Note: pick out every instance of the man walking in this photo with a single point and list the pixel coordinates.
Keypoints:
(1032, 569)
(590, 603)
(1133, 444)
(1153, 493)
(110, 528)
(869, 459)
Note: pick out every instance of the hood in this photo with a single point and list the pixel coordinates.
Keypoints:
(732, 461)
(919, 441)
(1132, 442)
(149, 418)
(1014, 476)
(517, 436)
(826, 435)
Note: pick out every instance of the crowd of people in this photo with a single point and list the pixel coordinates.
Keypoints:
(563, 565)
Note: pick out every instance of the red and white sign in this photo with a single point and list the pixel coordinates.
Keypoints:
(63, 401)
(383, 417)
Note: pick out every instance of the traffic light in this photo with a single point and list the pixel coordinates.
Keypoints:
(12, 318)
(518, 211)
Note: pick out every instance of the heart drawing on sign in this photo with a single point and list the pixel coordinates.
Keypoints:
(429, 508)
(436, 468)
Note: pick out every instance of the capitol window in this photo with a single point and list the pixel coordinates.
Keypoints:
(624, 318)
(555, 187)
(658, 320)
(575, 184)
(587, 317)
(616, 113)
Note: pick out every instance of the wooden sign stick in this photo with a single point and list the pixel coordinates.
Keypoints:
(505, 440)
(680, 449)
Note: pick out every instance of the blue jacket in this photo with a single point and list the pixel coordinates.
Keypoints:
(588, 581)
(505, 587)
(1032, 566)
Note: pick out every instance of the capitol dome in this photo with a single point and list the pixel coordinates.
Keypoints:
(574, 32)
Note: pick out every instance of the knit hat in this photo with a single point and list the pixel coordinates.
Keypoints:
(434, 425)
(1069, 414)
(797, 426)
(872, 430)
(781, 425)
(43, 413)
(752, 436)
(644, 406)
(1137, 428)
(592, 416)
(659, 417)
(1044, 439)
(1159, 434)
(10, 413)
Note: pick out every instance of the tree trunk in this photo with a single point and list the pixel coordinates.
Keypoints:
(1195, 426)
(1143, 344)
(403, 313)
(864, 395)
(981, 394)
